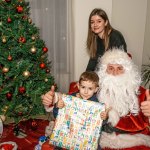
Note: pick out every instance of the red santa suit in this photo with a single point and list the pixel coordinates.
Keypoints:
(134, 125)
(126, 128)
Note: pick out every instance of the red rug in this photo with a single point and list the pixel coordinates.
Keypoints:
(33, 131)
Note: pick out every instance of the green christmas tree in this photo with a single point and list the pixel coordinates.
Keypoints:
(24, 66)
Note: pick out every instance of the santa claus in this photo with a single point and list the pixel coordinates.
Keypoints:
(126, 127)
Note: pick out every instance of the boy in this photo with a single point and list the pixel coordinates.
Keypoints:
(88, 86)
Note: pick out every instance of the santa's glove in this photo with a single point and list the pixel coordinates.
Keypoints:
(113, 117)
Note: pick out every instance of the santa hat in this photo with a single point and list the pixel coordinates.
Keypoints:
(116, 56)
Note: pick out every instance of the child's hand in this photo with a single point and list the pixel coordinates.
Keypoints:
(60, 103)
(48, 98)
(104, 114)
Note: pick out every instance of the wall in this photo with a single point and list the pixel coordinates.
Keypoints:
(146, 51)
(125, 15)
(129, 16)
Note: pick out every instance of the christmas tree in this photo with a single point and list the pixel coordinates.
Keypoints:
(24, 66)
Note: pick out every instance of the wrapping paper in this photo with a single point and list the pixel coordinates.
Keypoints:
(78, 124)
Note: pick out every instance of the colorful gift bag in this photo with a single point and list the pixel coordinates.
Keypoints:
(78, 124)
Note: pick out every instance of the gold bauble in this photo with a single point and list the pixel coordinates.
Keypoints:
(4, 40)
(30, 20)
(26, 73)
(33, 37)
(33, 50)
(5, 109)
(46, 80)
(5, 70)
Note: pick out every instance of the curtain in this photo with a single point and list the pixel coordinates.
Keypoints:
(53, 18)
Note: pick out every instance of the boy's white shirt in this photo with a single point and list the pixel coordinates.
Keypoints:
(56, 98)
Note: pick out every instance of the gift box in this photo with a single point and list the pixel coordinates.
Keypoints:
(78, 124)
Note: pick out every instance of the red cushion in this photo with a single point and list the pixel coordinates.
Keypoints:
(73, 88)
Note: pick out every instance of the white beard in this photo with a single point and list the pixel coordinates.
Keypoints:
(119, 93)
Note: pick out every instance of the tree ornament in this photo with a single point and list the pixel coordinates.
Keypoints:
(26, 73)
(33, 50)
(47, 71)
(20, 113)
(42, 65)
(24, 17)
(19, 9)
(21, 90)
(5, 69)
(1, 66)
(22, 39)
(46, 80)
(9, 58)
(9, 96)
(4, 39)
(30, 20)
(9, 20)
(33, 38)
(7, 1)
(4, 110)
(45, 49)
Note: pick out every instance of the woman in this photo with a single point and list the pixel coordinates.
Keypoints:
(101, 37)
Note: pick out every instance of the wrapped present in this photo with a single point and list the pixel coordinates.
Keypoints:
(78, 124)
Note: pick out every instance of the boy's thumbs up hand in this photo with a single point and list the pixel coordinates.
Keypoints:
(48, 98)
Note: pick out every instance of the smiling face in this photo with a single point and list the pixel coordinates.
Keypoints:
(87, 89)
(98, 25)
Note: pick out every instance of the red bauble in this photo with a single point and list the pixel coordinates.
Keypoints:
(45, 49)
(19, 9)
(9, 58)
(22, 39)
(21, 89)
(1, 66)
(42, 65)
(9, 95)
(20, 114)
(47, 71)
(9, 20)
(7, 1)
(24, 17)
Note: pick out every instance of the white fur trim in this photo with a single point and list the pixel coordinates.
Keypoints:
(116, 56)
(113, 117)
(108, 140)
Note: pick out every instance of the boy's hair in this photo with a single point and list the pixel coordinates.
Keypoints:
(89, 76)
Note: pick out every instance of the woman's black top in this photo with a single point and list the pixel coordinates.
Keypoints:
(116, 40)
